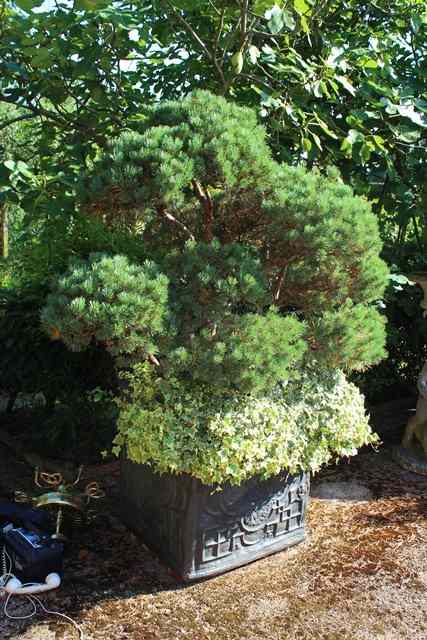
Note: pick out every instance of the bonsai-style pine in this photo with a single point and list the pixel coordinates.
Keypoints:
(255, 272)
(287, 243)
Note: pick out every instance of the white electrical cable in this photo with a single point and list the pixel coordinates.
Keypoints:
(60, 615)
(4, 579)
(12, 617)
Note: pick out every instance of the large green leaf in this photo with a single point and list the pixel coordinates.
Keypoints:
(301, 6)
(346, 83)
(42, 58)
(276, 19)
(261, 6)
(254, 54)
(288, 19)
(91, 5)
(408, 111)
(28, 5)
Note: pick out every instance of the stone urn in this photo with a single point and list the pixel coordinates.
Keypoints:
(412, 453)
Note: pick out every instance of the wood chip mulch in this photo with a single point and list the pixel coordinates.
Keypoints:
(361, 574)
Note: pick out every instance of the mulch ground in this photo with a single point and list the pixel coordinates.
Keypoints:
(361, 574)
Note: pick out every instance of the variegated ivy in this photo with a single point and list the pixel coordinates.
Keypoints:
(300, 425)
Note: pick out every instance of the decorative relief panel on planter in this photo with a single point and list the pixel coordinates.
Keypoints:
(201, 532)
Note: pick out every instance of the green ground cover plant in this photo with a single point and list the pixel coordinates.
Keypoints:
(302, 424)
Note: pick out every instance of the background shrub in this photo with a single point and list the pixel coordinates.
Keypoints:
(31, 363)
(406, 345)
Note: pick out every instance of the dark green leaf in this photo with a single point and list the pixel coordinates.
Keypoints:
(28, 5)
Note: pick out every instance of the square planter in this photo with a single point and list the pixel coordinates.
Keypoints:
(199, 531)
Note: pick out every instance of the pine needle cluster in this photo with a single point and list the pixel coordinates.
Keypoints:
(108, 301)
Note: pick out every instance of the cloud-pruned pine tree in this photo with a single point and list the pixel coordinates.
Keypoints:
(257, 286)
(270, 266)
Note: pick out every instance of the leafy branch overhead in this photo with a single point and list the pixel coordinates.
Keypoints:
(340, 83)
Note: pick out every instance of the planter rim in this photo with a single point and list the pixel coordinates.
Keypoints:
(217, 485)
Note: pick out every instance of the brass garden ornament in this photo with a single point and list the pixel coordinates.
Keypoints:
(64, 499)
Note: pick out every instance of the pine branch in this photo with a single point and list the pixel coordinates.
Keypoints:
(206, 201)
(279, 283)
(168, 216)
(153, 360)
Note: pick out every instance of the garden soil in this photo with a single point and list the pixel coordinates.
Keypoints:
(361, 574)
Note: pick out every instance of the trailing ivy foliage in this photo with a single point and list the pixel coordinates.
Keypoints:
(313, 420)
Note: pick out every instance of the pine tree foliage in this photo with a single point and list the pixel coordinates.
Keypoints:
(270, 266)
(108, 301)
(218, 296)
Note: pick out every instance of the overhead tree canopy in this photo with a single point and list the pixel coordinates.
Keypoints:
(337, 83)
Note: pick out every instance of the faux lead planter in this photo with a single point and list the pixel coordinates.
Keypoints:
(200, 532)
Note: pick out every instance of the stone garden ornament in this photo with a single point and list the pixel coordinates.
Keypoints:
(412, 454)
